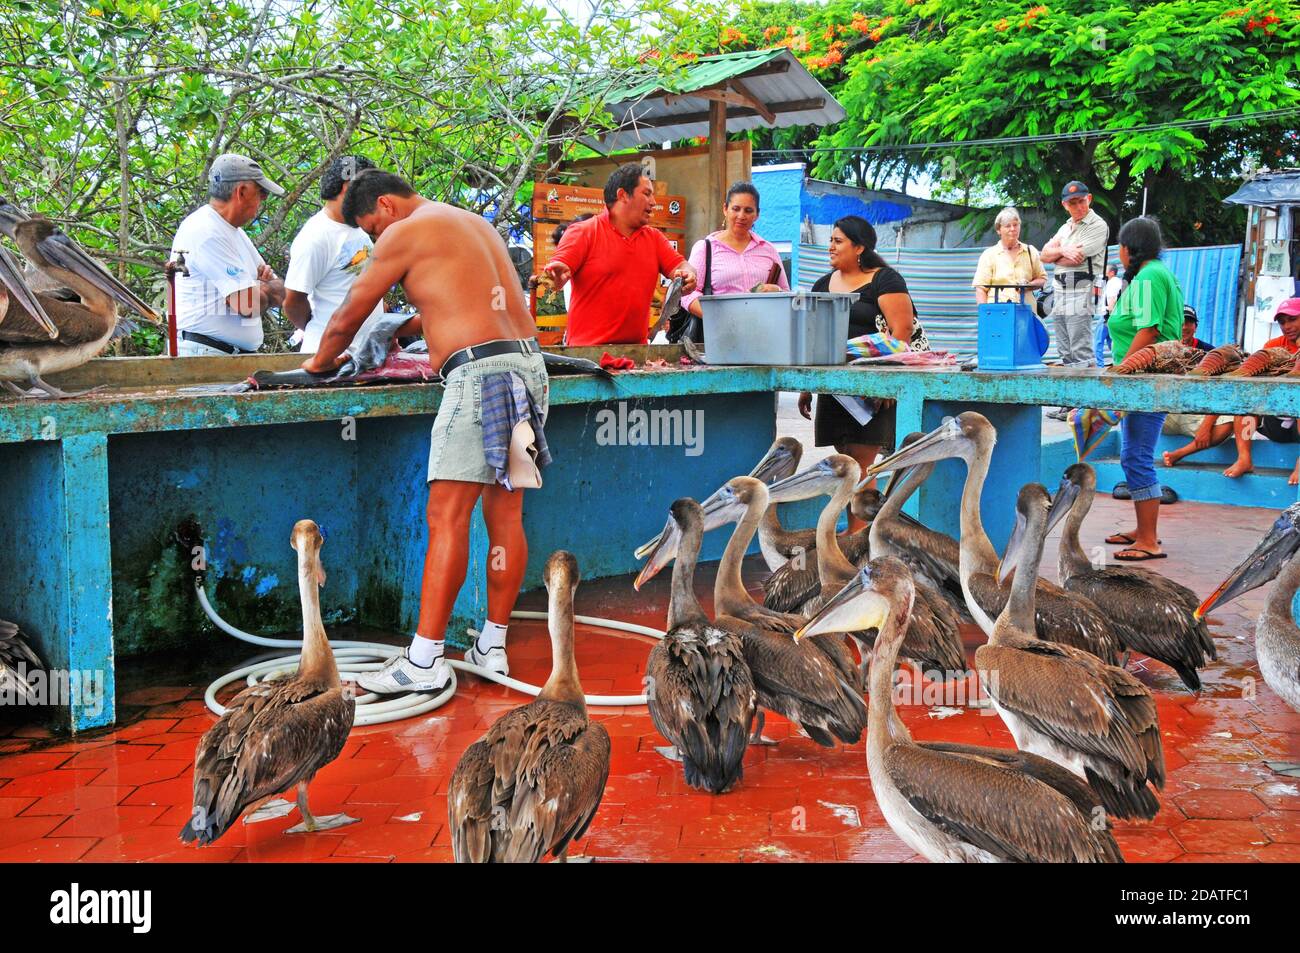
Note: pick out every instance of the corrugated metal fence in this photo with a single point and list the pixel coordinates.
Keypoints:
(939, 281)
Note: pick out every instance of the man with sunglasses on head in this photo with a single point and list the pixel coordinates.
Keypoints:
(219, 304)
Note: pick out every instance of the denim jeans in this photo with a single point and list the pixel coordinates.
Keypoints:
(1138, 435)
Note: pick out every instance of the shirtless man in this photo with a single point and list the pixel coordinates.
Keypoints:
(455, 269)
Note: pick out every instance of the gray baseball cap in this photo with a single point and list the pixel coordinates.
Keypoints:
(232, 167)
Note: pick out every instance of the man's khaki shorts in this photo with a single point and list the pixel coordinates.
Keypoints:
(1184, 425)
(456, 445)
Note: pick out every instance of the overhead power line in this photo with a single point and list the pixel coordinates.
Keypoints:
(1262, 116)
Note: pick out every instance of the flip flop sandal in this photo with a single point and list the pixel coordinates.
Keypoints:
(1121, 492)
(1146, 555)
(1167, 495)
(1120, 539)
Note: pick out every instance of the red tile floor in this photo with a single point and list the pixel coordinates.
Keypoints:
(124, 794)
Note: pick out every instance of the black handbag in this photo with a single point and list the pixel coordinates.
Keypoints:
(684, 324)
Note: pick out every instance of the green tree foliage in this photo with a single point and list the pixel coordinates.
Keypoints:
(111, 111)
(911, 72)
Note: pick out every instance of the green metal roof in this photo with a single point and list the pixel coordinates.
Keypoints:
(774, 77)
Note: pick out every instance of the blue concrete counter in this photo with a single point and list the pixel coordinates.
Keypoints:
(96, 485)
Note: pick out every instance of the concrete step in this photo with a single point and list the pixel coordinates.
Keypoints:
(1198, 478)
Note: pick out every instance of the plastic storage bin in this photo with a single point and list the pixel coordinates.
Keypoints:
(788, 327)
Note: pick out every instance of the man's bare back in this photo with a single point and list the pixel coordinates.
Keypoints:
(455, 270)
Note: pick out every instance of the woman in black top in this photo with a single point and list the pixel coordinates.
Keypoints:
(883, 307)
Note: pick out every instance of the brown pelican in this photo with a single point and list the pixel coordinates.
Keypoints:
(531, 785)
(1277, 639)
(84, 325)
(797, 581)
(698, 686)
(18, 299)
(781, 459)
(276, 734)
(951, 802)
(933, 557)
(1062, 617)
(932, 640)
(16, 658)
(1063, 703)
(1150, 613)
(815, 684)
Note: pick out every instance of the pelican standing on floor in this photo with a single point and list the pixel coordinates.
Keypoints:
(84, 325)
(1277, 638)
(951, 802)
(531, 785)
(277, 734)
(1062, 617)
(698, 687)
(813, 684)
(796, 581)
(1060, 702)
(1148, 612)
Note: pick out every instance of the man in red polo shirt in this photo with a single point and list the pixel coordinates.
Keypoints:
(614, 261)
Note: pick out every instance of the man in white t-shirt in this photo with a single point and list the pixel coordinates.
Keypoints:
(326, 257)
(219, 304)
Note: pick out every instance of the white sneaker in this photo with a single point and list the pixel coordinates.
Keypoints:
(400, 674)
(493, 659)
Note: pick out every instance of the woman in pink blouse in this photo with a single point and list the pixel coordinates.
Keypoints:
(742, 261)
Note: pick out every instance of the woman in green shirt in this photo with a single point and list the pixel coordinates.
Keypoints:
(1149, 310)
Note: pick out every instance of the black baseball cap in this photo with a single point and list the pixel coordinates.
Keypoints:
(1074, 190)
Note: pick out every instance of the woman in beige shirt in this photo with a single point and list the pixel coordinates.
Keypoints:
(1009, 262)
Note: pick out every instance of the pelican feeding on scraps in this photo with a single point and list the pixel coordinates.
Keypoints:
(1150, 613)
(84, 324)
(276, 734)
(1062, 617)
(1060, 702)
(531, 785)
(698, 686)
(1277, 638)
(953, 802)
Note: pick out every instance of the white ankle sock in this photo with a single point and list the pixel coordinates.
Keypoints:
(424, 652)
(493, 635)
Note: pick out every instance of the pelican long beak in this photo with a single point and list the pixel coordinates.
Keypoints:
(818, 480)
(62, 251)
(856, 607)
(664, 551)
(1015, 549)
(12, 278)
(718, 510)
(942, 443)
(777, 464)
(1261, 566)
(1062, 503)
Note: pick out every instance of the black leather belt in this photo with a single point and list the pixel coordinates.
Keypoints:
(213, 342)
(1072, 278)
(477, 352)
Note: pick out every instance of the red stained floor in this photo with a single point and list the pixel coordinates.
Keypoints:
(124, 795)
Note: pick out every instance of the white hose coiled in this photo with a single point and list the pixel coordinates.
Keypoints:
(356, 657)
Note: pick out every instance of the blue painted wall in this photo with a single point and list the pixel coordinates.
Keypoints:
(780, 190)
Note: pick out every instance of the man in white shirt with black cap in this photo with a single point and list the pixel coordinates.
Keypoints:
(326, 257)
(219, 304)
(1079, 251)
